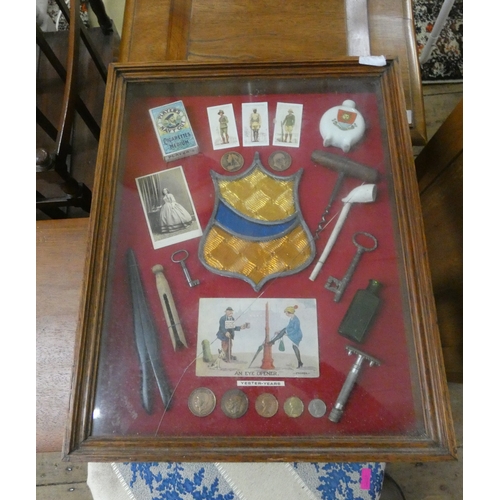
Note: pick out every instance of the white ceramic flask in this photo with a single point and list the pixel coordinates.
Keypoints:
(342, 126)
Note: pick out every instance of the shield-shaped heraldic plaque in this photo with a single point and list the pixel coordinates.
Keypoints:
(256, 231)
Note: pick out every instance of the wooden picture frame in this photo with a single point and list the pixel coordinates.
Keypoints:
(398, 411)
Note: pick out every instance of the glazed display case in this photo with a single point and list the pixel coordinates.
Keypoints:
(256, 287)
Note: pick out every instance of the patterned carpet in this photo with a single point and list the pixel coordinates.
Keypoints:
(446, 60)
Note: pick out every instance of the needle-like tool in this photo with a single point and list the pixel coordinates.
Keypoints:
(146, 340)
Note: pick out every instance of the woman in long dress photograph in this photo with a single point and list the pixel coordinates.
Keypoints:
(173, 216)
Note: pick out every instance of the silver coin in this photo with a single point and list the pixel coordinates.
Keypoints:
(317, 408)
(201, 402)
(234, 403)
(232, 161)
(280, 160)
(293, 407)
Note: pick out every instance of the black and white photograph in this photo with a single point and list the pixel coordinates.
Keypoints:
(168, 207)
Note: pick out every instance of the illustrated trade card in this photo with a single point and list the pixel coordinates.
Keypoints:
(287, 125)
(168, 207)
(223, 129)
(255, 124)
(173, 131)
(258, 338)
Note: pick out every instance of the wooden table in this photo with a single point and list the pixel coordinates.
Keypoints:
(60, 257)
(210, 30)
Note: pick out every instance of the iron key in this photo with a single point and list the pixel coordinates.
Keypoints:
(339, 286)
(180, 261)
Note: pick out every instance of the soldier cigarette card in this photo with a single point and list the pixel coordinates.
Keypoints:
(223, 129)
(287, 125)
(255, 124)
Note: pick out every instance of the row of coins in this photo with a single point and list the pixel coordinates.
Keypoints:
(234, 404)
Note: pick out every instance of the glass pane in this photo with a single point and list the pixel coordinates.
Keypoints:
(215, 302)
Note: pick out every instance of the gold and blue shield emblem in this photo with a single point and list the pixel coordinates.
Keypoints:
(256, 231)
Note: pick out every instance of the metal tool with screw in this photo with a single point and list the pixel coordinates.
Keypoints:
(181, 261)
(338, 409)
(345, 167)
(338, 286)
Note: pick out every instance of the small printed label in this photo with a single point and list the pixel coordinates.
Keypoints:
(266, 383)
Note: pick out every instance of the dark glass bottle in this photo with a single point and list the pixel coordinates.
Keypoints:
(360, 314)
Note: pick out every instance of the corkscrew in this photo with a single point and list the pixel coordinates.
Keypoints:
(345, 167)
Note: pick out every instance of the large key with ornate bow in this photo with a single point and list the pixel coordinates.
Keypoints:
(338, 286)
